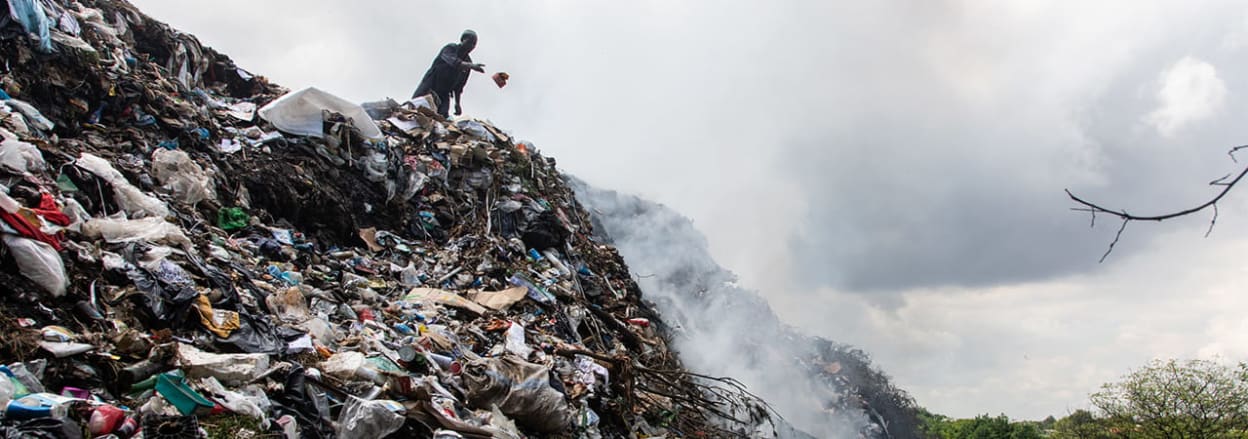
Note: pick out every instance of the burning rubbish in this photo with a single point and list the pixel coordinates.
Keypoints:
(189, 249)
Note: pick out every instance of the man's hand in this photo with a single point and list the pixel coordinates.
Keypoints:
(480, 68)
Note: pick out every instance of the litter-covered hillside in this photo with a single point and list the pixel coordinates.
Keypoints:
(192, 251)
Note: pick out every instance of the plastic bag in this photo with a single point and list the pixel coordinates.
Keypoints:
(75, 43)
(20, 157)
(232, 218)
(379, 110)
(300, 113)
(130, 198)
(520, 389)
(30, 14)
(410, 276)
(252, 405)
(62, 349)
(545, 231)
(182, 177)
(348, 365)
(375, 165)
(289, 305)
(155, 230)
(39, 262)
(245, 111)
(415, 182)
(68, 24)
(258, 335)
(476, 129)
(515, 341)
(33, 116)
(362, 419)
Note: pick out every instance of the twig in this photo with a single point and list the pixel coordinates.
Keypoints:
(696, 395)
(1125, 220)
(1220, 181)
(1232, 152)
(1212, 221)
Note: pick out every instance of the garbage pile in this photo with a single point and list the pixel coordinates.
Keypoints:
(192, 251)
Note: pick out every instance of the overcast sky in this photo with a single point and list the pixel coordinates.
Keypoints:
(887, 174)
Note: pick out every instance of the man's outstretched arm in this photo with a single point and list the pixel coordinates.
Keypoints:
(450, 55)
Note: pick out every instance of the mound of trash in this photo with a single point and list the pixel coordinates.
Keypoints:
(192, 251)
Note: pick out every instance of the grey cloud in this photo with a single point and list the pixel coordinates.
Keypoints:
(944, 186)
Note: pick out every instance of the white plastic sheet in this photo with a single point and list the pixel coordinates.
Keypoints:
(130, 198)
(515, 341)
(19, 157)
(300, 113)
(32, 114)
(252, 405)
(362, 419)
(242, 111)
(39, 262)
(155, 230)
(181, 176)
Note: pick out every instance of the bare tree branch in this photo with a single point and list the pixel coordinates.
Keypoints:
(1093, 208)
(1167, 216)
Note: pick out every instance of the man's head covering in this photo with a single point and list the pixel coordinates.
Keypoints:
(468, 34)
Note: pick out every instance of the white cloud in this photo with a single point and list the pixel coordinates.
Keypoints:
(1039, 349)
(1190, 91)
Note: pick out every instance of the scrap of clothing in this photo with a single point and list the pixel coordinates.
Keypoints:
(26, 221)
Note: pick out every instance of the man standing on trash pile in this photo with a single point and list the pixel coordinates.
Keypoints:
(449, 73)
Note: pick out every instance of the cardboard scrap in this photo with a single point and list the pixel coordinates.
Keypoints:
(442, 297)
(499, 300)
(369, 236)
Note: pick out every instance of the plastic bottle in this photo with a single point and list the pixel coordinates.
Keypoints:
(141, 371)
(38, 405)
(559, 265)
(106, 419)
(409, 276)
(7, 390)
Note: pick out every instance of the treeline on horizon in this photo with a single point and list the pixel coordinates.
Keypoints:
(1170, 399)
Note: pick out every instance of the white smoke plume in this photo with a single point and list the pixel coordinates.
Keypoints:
(821, 388)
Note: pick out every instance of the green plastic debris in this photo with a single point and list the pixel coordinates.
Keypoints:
(65, 184)
(383, 363)
(232, 218)
(188, 401)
